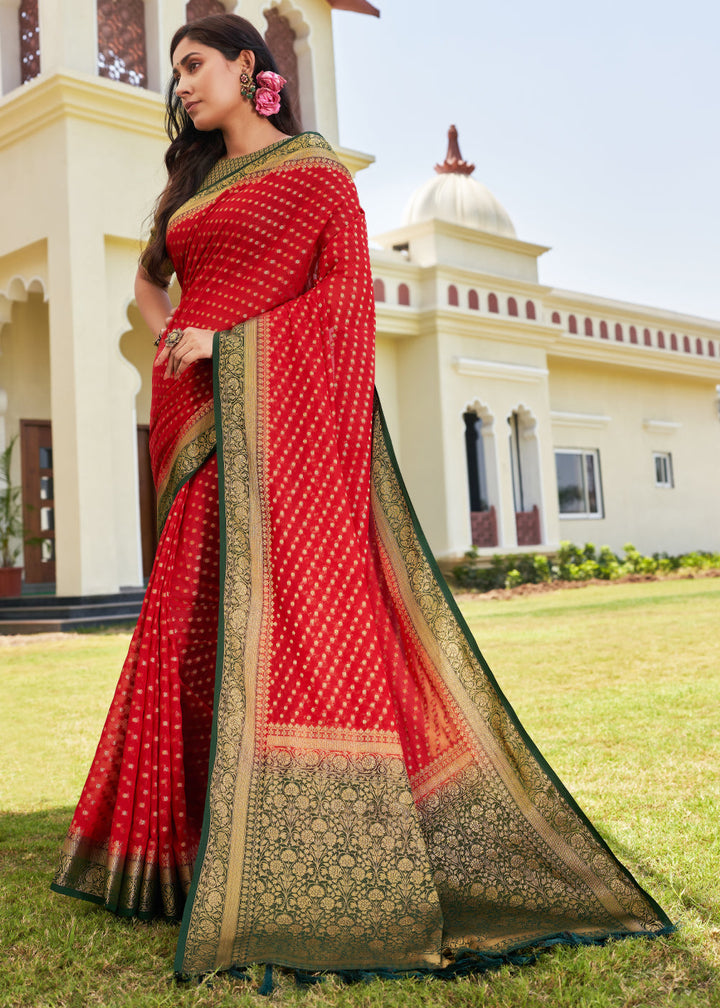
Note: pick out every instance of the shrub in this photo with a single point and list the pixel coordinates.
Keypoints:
(513, 578)
(573, 563)
(542, 567)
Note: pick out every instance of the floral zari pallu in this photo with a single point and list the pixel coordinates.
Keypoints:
(373, 801)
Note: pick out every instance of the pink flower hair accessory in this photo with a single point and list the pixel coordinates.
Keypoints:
(267, 95)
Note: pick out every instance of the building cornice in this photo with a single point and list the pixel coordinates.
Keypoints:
(358, 6)
(400, 322)
(628, 312)
(387, 262)
(488, 281)
(594, 421)
(36, 105)
(627, 355)
(355, 161)
(661, 426)
(499, 369)
(397, 322)
(400, 236)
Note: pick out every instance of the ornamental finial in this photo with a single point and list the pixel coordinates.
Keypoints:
(453, 163)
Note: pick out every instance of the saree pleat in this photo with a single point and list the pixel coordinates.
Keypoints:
(370, 799)
(134, 836)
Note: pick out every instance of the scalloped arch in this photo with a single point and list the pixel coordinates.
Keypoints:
(527, 420)
(294, 16)
(18, 288)
(484, 412)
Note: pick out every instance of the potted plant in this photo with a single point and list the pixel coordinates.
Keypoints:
(11, 526)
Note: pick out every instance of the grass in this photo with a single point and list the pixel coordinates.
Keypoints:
(620, 687)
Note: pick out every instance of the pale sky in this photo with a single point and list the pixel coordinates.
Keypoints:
(597, 126)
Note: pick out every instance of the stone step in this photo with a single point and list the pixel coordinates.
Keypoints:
(29, 614)
(128, 610)
(125, 595)
(63, 626)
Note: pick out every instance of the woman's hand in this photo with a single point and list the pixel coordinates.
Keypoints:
(194, 344)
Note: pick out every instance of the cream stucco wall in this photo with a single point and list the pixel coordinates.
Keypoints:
(644, 414)
(25, 364)
(386, 378)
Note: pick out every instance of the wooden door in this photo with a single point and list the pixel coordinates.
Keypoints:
(148, 500)
(38, 500)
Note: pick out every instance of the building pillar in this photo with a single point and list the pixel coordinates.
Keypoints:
(10, 71)
(125, 381)
(422, 437)
(507, 527)
(162, 20)
(84, 413)
(68, 43)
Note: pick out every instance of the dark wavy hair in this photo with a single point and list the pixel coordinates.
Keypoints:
(193, 152)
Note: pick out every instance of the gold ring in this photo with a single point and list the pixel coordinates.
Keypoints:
(173, 337)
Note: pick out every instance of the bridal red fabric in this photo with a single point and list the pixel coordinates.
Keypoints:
(372, 800)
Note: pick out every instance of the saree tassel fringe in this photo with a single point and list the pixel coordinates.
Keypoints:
(465, 962)
(268, 984)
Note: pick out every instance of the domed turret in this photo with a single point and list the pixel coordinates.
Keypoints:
(453, 196)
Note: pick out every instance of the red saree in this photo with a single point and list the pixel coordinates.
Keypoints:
(373, 801)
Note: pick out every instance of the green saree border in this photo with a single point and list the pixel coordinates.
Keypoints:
(187, 462)
(220, 872)
(202, 847)
(237, 167)
(227, 172)
(507, 706)
(140, 915)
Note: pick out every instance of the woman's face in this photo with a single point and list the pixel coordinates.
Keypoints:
(208, 84)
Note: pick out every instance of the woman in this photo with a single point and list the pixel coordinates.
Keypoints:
(372, 801)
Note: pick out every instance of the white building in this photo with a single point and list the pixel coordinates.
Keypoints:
(524, 415)
(81, 164)
(477, 361)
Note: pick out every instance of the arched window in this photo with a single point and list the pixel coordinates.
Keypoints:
(673, 341)
(280, 39)
(403, 294)
(603, 330)
(661, 340)
(453, 298)
(633, 334)
(512, 306)
(379, 290)
(618, 333)
(588, 327)
(556, 318)
(481, 471)
(473, 300)
(686, 344)
(699, 346)
(121, 41)
(493, 303)
(572, 324)
(711, 348)
(647, 339)
(529, 310)
(195, 9)
(29, 40)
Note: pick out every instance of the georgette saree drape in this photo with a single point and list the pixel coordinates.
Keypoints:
(373, 801)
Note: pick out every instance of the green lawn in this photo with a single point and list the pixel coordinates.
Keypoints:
(618, 684)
